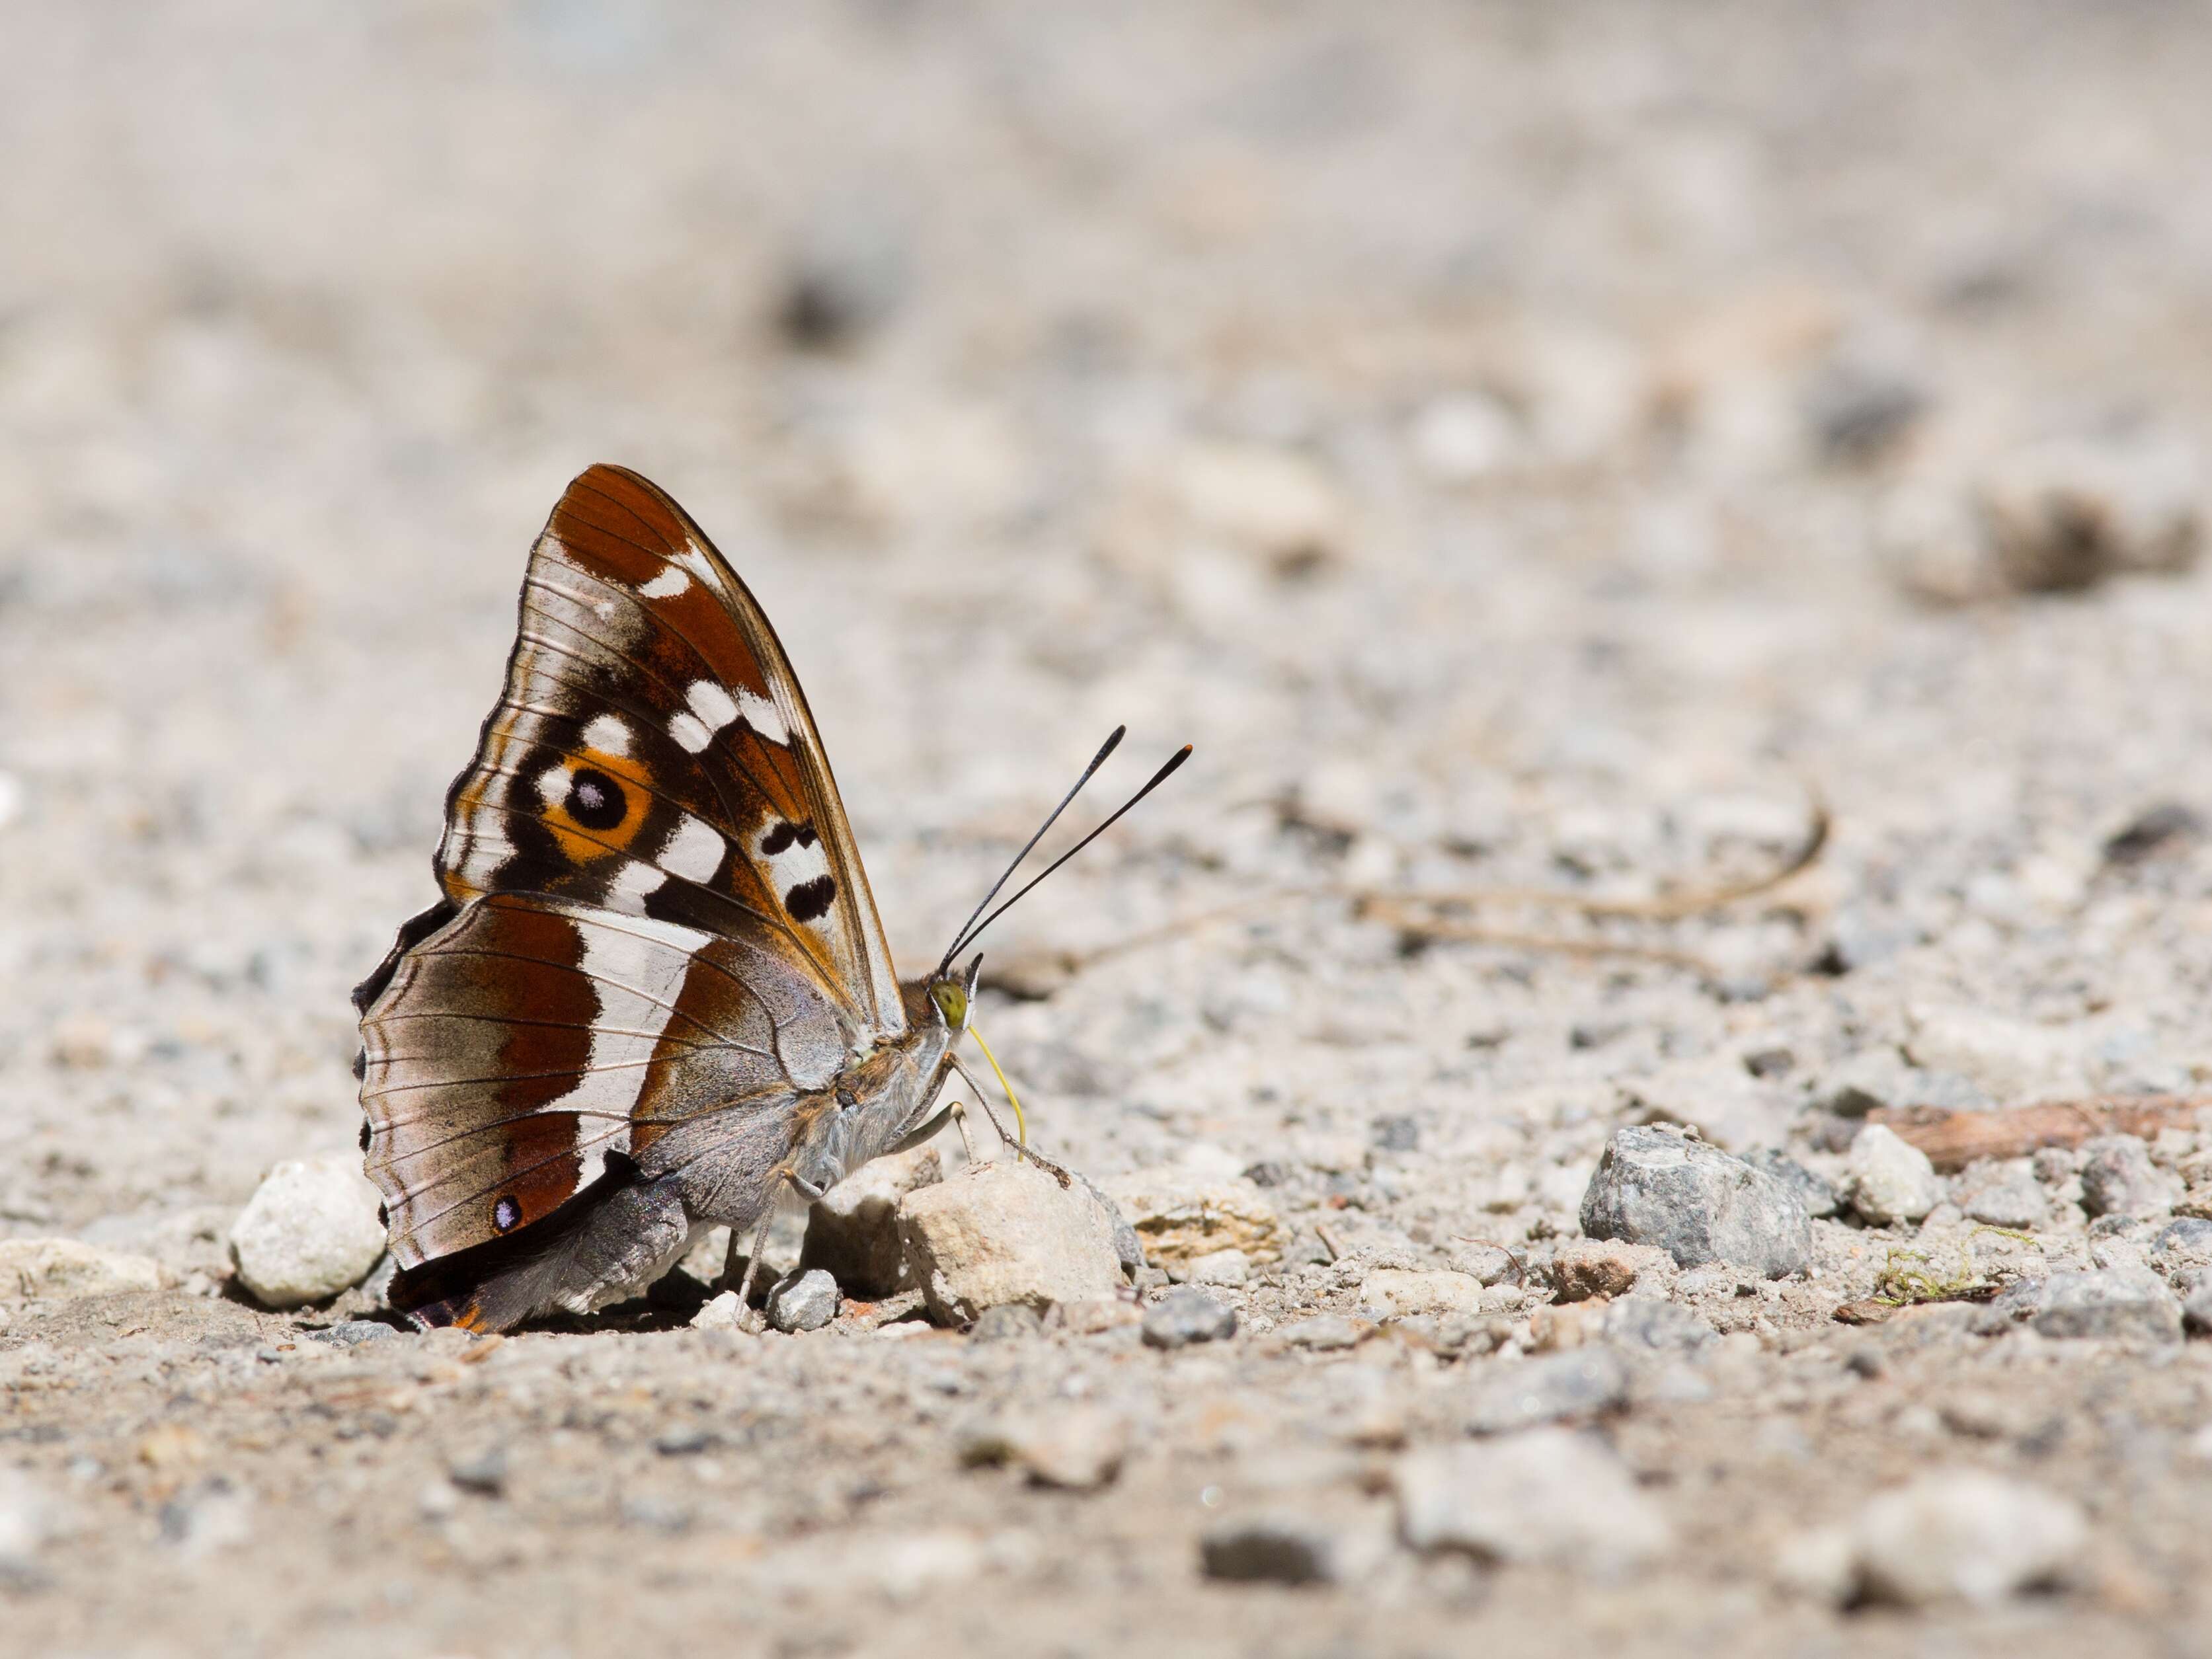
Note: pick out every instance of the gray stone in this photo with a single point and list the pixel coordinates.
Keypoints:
(2009, 1200)
(309, 1231)
(2116, 1302)
(1647, 1323)
(1964, 1536)
(2197, 1311)
(2155, 829)
(1549, 1497)
(1010, 1322)
(1699, 1204)
(802, 1301)
(1275, 1549)
(2118, 1179)
(1578, 1382)
(1007, 1232)
(852, 1229)
(1227, 1268)
(1186, 1316)
(485, 1472)
(1817, 1193)
(352, 1333)
(1887, 1180)
(685, 1440)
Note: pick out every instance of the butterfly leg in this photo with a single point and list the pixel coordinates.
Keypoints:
(752, 1270)
(958, 1113)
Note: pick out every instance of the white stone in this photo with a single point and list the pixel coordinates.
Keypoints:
(1075, 1448)
(1545, 1495)
(309, 1231)
(1230, 1267)
(1406, 1291)
(720, 1313)
(1006, 1233)
(852, 1229)
(62, 1269)
(1964, 1536)
(1888, 1180)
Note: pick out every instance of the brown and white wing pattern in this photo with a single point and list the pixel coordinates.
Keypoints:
(533, 1046)
(653, 754)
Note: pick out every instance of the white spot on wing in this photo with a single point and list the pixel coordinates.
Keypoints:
(688, 733)
(666, 586)
(763, 717)
(714, 706)
(634, 882)
(553, 785)
(608, 734)
(694, 851)
(796, 864)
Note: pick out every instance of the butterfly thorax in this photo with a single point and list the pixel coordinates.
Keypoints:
(878, 1099)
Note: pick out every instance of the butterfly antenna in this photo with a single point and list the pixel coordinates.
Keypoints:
(1097, 761)
(974, 928)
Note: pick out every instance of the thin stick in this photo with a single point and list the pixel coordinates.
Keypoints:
(1953, 1140)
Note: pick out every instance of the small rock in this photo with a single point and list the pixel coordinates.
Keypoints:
(1585, 1267)
(1010, 1323)
(1277, 1549)
(2197, 1312)
(1180, 1216)
(2118, 1178)
(1004, 1233)
(721, 1313)
(1228, 1269)
(686, 1440)
(2182, 1245)
(2153, 829)
(62, 1270)
(1492, 1264)
(1093, 1317)
(1964, 1536)
(2067, 512)
(1074, 1448)
(1580, 1383)
(1819, 1195)
(852, 1229)
(1273, 501)
(802, 1301)
(2006, 1199)
(1641, 1322)
(1184, 1317)
(1549, 1497)
(1699, 1204)
(484, 1474)
(847, 274)
(309, 1231)
(1396, 1134)
(1410, 1291)
(2116, 1302)
(1325, 1334)
(352, 1333)
(1888, 1180)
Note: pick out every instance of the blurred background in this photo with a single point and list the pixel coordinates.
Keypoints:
(1514, 443)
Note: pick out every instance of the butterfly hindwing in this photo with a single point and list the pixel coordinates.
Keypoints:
(652, 753)
(530, 1048)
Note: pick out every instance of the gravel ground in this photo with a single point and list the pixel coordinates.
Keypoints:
(1526, 450)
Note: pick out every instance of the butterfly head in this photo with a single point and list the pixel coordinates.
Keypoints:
(953, 995)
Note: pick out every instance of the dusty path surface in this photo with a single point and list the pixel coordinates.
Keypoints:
(1518, 448)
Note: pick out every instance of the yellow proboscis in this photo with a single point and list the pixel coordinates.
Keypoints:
(1021, 1128)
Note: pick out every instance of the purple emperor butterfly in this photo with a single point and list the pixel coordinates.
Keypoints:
(654, 994)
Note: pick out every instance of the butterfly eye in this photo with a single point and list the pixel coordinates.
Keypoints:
(952, 1001)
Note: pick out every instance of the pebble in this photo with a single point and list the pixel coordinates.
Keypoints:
(1579, 1383)
(802, 1301)
(2197, 1311)
(1228, 1269)
(352, 1333)
(721, 1313)
(852, 1229)
(2007, 1201)
(1548, 1495)
(485, 1472)
(62, 1270)
(1181, 1217)
(1963, 1536)
(309, 1231)
(1284, 1548)
(2157, 829)
(1584, 1267)
(1184, 1317)
(1002, 1233)
(1648, 1322)
(1009, 1323)
(2118, 1178)
(1888, 1180)
(2115, 1302)
(1272, 501)
(1074, 1448)
(1699, 1204)
(1325, 1334)
(1409, 1291)
(2066, 513)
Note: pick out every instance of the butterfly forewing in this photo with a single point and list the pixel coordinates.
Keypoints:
(653, 754)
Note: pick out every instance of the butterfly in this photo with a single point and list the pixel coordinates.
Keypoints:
(653, 996)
